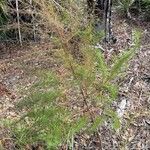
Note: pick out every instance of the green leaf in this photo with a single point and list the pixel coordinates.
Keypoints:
(84, 74)
(116, 123)
(102, 66)
(125, 57)
(78, 125)
(112, 90)
(46, 79)
(97, 122)
(38, 98)
(117, 66)
(114, 118)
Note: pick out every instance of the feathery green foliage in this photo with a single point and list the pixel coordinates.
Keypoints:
(50, 121)
(139, 7)
(3, 13)
(125, 4)
(3, 18)
(50, 116)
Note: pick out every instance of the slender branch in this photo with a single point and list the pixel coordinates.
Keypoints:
(86, 103)
(18, 22)
(91, 116)
(84, 95)
(33, 19)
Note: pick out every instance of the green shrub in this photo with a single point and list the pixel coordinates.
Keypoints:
(3, 18)
(138, 7)
(3, 13)
(145, 7)
(124, 7)
(58, 107)
(49, 117)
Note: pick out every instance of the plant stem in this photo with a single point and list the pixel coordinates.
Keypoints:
(91, 117)
(84, 95)
(18, 22)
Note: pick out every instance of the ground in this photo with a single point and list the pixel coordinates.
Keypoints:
(17, 66)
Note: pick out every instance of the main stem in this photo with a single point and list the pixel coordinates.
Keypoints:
(84, 95)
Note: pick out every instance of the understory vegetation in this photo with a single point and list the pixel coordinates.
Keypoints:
(51, 118)
(24, 21)
(80, 98)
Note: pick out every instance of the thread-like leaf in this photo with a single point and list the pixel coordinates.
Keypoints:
(117, 66)
(102, 66)
(97, 122)
(38, 98)
(115, 119)
(112, 90)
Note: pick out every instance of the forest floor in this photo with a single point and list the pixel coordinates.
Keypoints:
(17, 66)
